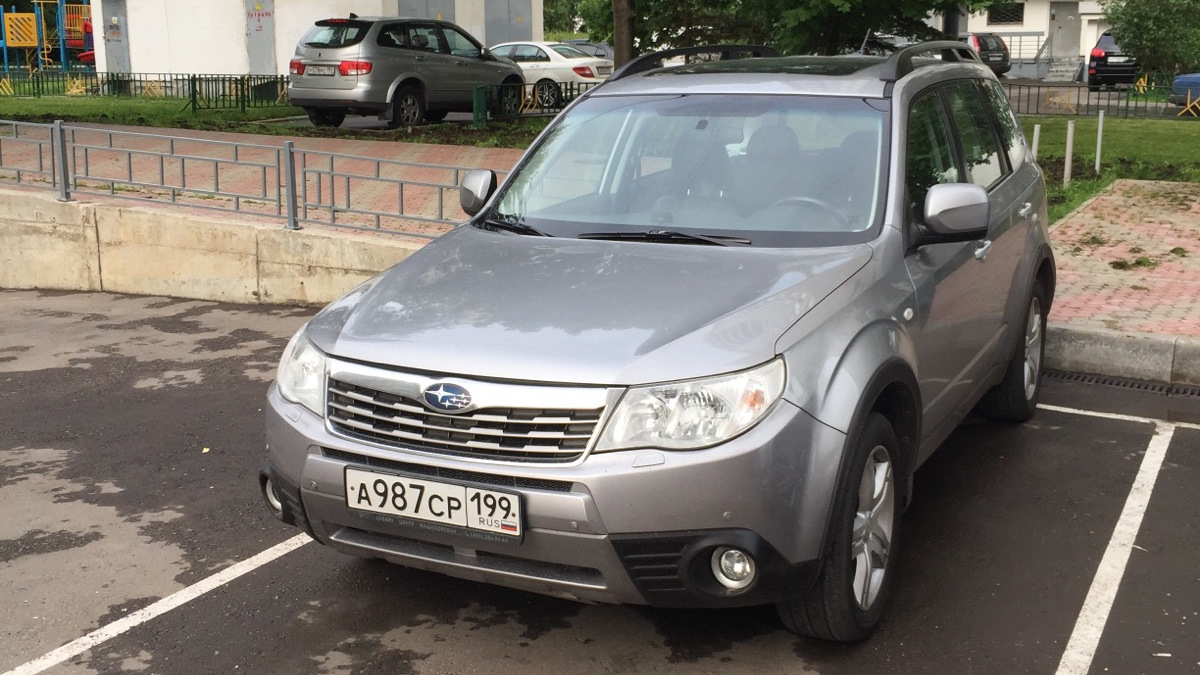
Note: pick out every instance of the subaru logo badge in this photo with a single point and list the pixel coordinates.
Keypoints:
(447, 397)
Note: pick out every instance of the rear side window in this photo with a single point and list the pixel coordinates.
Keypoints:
(336, 33)
(974, 125)
(394, 36)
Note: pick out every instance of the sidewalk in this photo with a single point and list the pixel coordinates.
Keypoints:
(1127, 303)
(1128, 296)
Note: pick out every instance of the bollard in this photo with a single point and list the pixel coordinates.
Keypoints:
(58, 142)
(1037, 136)
(1070, 152)
(289, 184)
(1099, 140)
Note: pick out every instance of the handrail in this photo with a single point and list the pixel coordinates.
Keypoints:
(654, 60)
(900, 63)
(1044, 48)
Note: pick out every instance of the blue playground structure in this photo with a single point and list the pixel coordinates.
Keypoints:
(47, 37)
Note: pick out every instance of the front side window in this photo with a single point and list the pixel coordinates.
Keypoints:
(1011, 135)
(930, 151)
(778, 170)
(974, 125)
(460, 44)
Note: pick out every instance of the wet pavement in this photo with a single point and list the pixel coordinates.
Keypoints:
(131, 434)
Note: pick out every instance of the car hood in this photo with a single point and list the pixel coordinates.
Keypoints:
(497, 305)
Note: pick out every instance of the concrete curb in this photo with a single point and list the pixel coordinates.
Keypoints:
(1140, 356)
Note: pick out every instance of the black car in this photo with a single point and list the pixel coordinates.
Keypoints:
(1108, 66)
(991, 49)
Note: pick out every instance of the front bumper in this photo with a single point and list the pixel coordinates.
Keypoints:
(625, 527)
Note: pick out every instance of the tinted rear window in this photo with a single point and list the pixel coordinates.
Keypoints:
(1108, 43)
(335, 33)
(990, 43)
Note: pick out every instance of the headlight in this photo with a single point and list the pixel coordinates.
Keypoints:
(693, 414)
(301, 375)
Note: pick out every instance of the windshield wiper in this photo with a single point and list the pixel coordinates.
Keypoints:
(668, 236)
(514, 226)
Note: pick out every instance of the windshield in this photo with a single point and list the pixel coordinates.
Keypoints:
(779, 170)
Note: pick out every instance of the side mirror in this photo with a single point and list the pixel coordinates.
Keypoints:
(476, 188)
(957, 212)
(486, 54)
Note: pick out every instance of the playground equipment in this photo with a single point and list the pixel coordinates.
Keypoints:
(54, 30)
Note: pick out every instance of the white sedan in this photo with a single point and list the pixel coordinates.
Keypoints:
(556, 70)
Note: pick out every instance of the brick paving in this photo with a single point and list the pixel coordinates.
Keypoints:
(1129, 260)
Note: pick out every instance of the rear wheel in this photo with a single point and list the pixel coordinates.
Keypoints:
(407, 108)
(1015, 399)
(325, 117)
(436, 115)
(547, 94)
(847, 600)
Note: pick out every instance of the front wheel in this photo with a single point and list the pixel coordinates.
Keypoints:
(847, 600)
(1015, 399)
(510, 96)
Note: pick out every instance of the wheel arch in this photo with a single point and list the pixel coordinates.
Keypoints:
(410, 80)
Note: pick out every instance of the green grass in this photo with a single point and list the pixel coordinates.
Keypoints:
(154, 112)
(1148, 149)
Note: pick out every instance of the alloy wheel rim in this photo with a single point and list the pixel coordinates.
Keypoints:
(545, 95)
(409, 110)
(1033, 348)
(874, 524)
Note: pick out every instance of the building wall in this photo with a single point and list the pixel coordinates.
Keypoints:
(209, 36)
(1037, 19)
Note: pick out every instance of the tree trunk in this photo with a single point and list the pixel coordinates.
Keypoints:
(623, 20)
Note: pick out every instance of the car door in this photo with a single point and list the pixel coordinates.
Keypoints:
(961, 288)
(470, 67)
(433, 61)
(393, 56)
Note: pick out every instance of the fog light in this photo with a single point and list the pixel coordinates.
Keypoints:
(733, 568)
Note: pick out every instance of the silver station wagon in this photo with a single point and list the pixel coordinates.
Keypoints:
(691, 352)
(403, 70)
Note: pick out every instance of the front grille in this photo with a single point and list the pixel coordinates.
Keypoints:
(450, 474)
(511, 434)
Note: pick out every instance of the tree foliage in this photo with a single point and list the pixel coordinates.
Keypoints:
(1164, 35)
(793, 26)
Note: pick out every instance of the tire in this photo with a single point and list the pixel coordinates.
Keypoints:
(436, 115)
(324, 117)
(547, 94)
(847, 600)
(406, 109)
(1015, 399)
(509, 97)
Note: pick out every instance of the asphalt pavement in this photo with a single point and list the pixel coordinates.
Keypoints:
(136, 540)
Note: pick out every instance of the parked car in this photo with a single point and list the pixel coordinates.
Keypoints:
(404, 70)
(1185, 89)
(992, 50)
(1108, 66)
(558, 70)
(692, 350)
(600, 49)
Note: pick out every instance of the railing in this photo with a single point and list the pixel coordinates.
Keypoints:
(298, 186)
(1146, 97)
(508, 101)
(200, 92)
(1024, 45)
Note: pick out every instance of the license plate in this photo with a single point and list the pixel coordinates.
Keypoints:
(604, 70)
(995, 58)
(434, 501)
(320, 70)
(1118, 59)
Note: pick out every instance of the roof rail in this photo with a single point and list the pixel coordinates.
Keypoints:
(655, 60)
(900, 62)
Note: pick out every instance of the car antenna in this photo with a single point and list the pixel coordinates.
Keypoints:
(353, 15)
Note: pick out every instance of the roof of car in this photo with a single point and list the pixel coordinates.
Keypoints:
(849, 75)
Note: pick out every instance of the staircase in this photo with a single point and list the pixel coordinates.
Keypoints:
(1063, 69)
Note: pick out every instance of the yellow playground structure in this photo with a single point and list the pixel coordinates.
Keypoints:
(49, 37)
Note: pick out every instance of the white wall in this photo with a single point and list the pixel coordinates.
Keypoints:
(209, 36)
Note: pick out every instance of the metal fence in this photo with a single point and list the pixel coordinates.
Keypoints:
(1147, 97)
(198, 92)
(509, 101)
(298, 186)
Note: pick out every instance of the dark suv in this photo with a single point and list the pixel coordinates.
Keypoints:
(1108, 66)
(991, 49)
(404, 70)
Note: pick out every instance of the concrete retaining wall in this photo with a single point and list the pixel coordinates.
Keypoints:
(100, 246)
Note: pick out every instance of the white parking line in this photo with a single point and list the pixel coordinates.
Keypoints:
(1093, 616)
(124, 624)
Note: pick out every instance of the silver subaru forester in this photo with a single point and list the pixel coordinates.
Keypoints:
(691, 352)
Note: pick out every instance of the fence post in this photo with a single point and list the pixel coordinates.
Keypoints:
(1099, 140)
(58, 143)
(289, 183)
(1070, 151)
(479, 107)
(193, 94)
(1037, 136)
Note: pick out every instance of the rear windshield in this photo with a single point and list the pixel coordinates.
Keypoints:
(1108, 43)
(334, 33)
(569, 52)
(990, 43)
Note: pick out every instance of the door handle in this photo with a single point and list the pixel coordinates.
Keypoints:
(1025, 210)
(418, 58)
(981, 251)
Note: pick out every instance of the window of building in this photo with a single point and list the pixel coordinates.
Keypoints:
(1006, 13)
